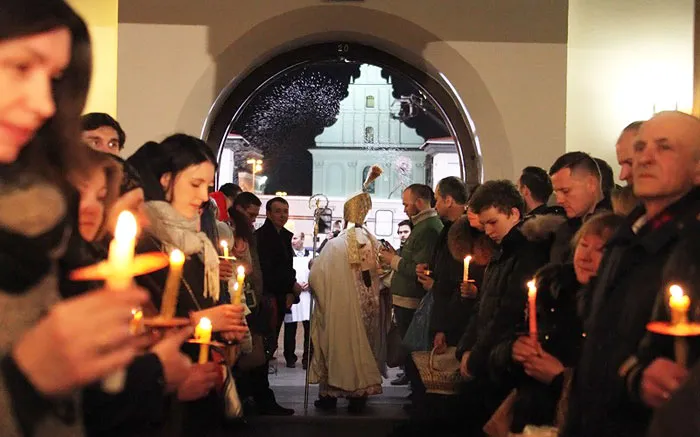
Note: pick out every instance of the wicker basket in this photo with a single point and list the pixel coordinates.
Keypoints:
(439, 372)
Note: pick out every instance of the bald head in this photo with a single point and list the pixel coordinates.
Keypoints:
(624, 150)
(666, 156)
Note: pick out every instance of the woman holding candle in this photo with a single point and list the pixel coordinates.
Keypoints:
(177, 174)
(48, 348)
(539, 363)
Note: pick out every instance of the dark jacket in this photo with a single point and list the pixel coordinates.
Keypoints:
(139, 408)
(501, 308)
(682, 268)
(545, 209)
(205, 414)
(276, 260)
(679, 416)
(451, 313)
(560, 333)
(560, 251)
(623, 296)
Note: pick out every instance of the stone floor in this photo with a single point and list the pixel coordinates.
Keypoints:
(288, 385)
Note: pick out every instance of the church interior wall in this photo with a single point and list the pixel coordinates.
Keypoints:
(626, 59)
(506, 60)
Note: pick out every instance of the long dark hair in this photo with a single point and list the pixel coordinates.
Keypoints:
(173, 155)
(56, 148)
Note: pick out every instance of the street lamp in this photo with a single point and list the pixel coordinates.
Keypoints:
(256, 165)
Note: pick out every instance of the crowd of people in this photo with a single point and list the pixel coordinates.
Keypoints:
(575, 359)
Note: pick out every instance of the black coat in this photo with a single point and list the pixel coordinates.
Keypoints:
(623, 296)
(560, 332)
(450, 314)
(139, 408)
(560, 251)
(502, 303)
(205, 414)
(276, 260)
(679, 416)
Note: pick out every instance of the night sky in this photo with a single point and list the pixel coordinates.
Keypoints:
(284, 119)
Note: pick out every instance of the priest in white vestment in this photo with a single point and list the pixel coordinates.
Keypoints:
(347, 327)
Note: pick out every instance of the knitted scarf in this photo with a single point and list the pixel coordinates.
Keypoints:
(177, 232)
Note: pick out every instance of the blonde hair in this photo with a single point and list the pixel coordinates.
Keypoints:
(601, 225)
(98, 161)
(623, 200)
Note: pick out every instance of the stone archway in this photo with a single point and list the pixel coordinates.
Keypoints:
(233, 100)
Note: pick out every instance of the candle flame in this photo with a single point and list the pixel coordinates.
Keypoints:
(177, 257)
(204, 323)
(224, 244)
(241, 270)
(235, 286)
(468, 258)
(531, 284)
(676, 291)
(126, 227)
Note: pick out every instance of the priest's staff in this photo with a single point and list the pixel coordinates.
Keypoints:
(314, 203)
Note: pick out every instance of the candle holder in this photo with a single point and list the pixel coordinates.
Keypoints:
(680, 332)
(229, 258)
(142, 265)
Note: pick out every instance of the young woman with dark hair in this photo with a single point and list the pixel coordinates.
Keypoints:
(48, 349)
(176, 174)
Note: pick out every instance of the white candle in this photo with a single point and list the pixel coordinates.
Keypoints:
(467, 260)
(172, 284)
(224, 246)
(203, 333)
(240, 278)
(121, 252)
(532, 308)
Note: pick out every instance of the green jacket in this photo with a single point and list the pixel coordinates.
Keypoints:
(418, 249)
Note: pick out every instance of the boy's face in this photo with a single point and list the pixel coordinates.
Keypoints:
(497, 224)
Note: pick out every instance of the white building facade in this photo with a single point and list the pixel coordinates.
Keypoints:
(364, 134)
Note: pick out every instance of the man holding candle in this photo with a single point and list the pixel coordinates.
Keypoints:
(447, 272)
(503, 299)
(611, 395)
(405, 288)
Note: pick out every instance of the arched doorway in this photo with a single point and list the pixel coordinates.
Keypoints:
(233, 100)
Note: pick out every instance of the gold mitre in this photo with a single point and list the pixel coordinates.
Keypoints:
(358, 206)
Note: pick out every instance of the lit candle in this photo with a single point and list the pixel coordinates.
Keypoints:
(224, 246)
(120, 260)
(679, 304)
(136, 326)
(467, 260)
(121, 252)
(172, 284)
(203, 333)
(532, 308)
(240, 278)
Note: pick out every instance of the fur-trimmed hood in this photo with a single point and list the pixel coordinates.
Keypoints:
(542, 227)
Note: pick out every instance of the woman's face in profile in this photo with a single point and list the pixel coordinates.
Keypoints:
(29, 69)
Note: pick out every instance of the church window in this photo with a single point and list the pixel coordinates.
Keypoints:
(365, 172)
(369, 102)
(369, 134)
